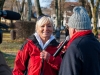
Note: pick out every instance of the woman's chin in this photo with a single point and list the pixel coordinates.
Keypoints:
(46, 36)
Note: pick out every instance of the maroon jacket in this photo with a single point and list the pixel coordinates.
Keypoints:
(30, 53)
(4, 68)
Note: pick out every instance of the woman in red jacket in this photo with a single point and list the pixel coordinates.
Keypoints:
(36, 54)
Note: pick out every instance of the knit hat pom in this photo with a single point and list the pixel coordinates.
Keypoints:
(79, 19)
(79, 8)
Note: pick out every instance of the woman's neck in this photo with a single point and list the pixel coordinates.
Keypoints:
(44, 40)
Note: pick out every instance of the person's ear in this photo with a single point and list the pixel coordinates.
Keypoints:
(74, 30)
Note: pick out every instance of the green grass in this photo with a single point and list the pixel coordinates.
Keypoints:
(10, 48)
(9, 59)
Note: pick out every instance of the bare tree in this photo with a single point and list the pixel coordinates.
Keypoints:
(29, 10)
(20, 8)
(12, 4)
(95, 10)
(1, 5)
(38, 8)
(56, 11)
(59, 11)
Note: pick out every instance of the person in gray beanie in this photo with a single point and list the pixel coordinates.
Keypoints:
(82, 56)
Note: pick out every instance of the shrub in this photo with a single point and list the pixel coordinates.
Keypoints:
(24, 29)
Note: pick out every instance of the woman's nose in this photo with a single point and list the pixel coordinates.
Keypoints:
(46, 28)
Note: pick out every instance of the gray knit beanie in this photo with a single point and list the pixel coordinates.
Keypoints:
(79, 19)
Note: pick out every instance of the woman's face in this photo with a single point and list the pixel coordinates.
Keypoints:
(44, 30)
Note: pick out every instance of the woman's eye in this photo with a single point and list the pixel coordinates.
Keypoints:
(42, 26)
(49, 26)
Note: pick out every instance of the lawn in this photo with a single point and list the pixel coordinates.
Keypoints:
(9, 48)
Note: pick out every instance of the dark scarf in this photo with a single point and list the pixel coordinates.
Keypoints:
(76, 35)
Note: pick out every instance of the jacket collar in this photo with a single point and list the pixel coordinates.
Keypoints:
(35, 41)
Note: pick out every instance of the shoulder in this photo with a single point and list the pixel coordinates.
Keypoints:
(30, 40)
(54, 43)
(83, 45)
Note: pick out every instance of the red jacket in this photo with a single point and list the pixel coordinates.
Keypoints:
(30, 53)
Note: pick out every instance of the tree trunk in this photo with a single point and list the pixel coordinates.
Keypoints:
(95, 9)
(37, 8)
(56, 12)
(11, 21)
(58, 19)
(59, 13)
(1, 6)
(20, 8)
(29, 10)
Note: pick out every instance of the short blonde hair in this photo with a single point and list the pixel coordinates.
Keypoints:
(44, 19)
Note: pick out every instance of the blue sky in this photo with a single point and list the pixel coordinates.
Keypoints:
(44, 3)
